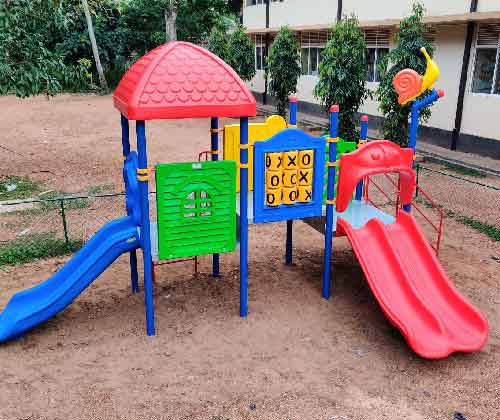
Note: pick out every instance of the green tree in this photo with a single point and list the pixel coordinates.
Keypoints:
(242, 53)
(218, 44)
(342, 74)
(93, 43)
(196, 18)
(283, 68)
(31, 61)
(406, 54)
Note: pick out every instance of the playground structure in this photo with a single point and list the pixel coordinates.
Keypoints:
(283, 174)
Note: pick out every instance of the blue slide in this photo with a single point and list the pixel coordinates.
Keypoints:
(33, 306)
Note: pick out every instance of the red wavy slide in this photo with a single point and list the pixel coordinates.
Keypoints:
(413, 289)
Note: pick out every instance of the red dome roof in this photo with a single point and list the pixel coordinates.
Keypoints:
(182, 80)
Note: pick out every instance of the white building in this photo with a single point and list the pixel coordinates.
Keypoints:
(466, 35)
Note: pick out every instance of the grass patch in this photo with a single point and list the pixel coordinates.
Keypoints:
(100, 189)
(463, 171)
(17, 188)
(491, 231)
(50, 202)
(35, 247)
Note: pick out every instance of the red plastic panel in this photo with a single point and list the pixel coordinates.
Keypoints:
(376, 157)
(182, 80)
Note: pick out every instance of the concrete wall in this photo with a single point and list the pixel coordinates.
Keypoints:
(254, 17)
(257, 83)
(395, 9)
(488, 6)
(450, 42)
(302, 13)
(480, 115)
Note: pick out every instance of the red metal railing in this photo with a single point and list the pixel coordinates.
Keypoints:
(206, 154)
(369, 181)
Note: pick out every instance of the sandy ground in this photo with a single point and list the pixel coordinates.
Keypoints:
(296, 356)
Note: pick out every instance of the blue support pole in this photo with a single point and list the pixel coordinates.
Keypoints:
(134, 275)
(332, 158)
(143, 177)
(414, 123)
(289, 242)
(243, 216)
(214, 134)
(293, 111)
(362, 139)
(289, 223)
(125, 136)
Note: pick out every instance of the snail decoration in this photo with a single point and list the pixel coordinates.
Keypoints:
(410, 85)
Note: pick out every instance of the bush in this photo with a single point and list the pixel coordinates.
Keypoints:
(218, 44)
(34, 247)
(31, 61)
(342, 74)
(283, 68)
(406, 54)
(242, 54)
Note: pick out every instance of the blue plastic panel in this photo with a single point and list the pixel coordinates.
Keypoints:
(288, 140)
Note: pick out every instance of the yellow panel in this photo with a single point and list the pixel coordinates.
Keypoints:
(273, 197)
(273, 179)
(256, 132)
(306, 158)
(274, 161)
(290, 178)
(305, 176)
(289, 195)
(290, 159)
(305, 193)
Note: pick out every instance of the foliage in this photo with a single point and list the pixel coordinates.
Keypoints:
(46, 47)
(406, 54)
(30, 60)
(15, 188)
(491, 231)
(34, 247)
(142, 24)
(463, 170)
(283, 68)
(196, 18)
(342, 74)
(52, 200)
(218, 44)
(241, 53)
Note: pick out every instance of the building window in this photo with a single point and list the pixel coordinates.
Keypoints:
(312, 45)
(255, 2)
(374, 57)
(377, 42)
(311, 58)
(260, 57)
(260, 51)
(486, 75)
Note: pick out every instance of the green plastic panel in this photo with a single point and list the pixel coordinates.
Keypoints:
(342, 147)
(196, 208)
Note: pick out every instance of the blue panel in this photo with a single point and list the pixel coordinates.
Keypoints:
(289, 139)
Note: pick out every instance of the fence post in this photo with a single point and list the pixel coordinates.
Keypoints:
(65, 224)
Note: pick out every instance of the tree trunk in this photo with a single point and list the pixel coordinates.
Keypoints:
(170, 18)
(95, 51)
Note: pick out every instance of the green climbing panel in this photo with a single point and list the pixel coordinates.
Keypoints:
(342, 147)
(196, 206)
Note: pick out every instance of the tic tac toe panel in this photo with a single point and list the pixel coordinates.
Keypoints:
(288, 176)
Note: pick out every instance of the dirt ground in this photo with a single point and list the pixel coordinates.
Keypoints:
(296, 356)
